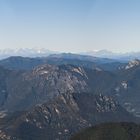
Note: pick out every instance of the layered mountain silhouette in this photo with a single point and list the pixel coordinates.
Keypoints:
(27, 63)
(46, 99)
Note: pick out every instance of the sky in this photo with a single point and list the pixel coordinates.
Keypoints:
(70, 25)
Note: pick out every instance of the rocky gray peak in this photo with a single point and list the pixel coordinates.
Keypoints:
(78, 70)
(44, 83)
(4, 136)
(60, 116)
(62, 78)
(132, 64)
(50, 69)
(44, 69)
(105, 104)
(52, 112)
(63, 116)
(124, 84)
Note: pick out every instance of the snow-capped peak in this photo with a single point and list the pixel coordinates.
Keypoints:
(132, 64)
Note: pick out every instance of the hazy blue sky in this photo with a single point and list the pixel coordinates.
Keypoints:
(70, 25)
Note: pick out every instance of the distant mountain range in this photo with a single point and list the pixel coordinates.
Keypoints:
(25, 52)
(26, 63)
(42, 52)
(58, 100)
(112, 55)
(56, 96)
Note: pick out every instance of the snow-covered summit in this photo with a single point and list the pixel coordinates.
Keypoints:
(132, 64)
(25, 52)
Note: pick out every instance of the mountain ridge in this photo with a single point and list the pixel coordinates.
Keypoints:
(63, 99)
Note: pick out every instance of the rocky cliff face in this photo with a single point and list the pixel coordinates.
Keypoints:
(63, 116)
(26, 89)
(61, 100)
(132, 64)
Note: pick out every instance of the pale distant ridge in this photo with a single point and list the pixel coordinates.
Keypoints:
(43, 52)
